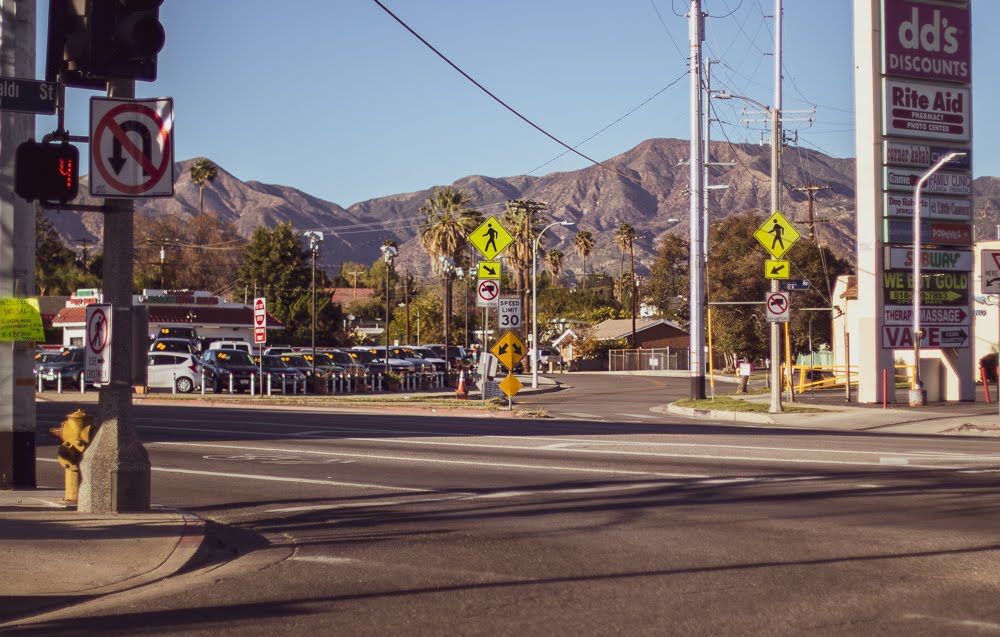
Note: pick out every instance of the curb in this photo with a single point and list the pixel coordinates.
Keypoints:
(725, 416)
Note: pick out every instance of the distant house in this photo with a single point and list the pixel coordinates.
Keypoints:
(649, 332)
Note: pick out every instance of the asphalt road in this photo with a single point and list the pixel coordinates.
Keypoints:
(605, 519)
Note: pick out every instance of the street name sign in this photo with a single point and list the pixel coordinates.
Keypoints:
(990, 265)
(777, 307)
(509, 350)
(27, 96)
(776, 269)
(490, 270)
(131, 148)
(777, 235)
(794, 285)
(491, 238)
(97, 352)
(509, 312)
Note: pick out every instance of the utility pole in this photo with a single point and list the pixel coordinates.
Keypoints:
(776, 140)
(406, 305)
(17, 255)
(697, 272)
(116, 464)
(811, 193)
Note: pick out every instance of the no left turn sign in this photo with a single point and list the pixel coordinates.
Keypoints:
(131, 148)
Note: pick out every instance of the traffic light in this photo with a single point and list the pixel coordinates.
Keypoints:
(93, 41)
(125, 38)
(46, 171)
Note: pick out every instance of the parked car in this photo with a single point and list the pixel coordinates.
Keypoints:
(429, 356)
(378, 360)
(545, 356)
(220, 364)
(345, 360)
(304, 363)
(167, 370)
(171, 344)
(68, 366)
(457, 355)
(242, 346)
(279, 371)
(277, 350)
(188, 333)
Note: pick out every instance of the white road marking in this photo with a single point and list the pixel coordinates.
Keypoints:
(257, 476)
(500, 465)
(358, 505)
(322, 559)
(574, 414)
(638, 416)
(557, 445)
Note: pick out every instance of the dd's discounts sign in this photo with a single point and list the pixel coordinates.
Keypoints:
(131, 148)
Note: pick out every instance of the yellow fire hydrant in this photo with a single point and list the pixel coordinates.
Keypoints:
(74, 433)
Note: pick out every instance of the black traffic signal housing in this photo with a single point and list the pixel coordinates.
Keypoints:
(125, 38)
(47, 171)
(93, 41)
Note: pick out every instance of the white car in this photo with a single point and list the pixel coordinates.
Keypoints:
(167, 370)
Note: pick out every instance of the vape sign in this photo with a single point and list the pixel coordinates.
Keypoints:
(929, 41)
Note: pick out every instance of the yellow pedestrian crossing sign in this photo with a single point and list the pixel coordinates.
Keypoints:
(491, 238)
(489, 270)
(777, 235)
(774, 269)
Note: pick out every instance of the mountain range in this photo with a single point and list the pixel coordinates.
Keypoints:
(645, 187)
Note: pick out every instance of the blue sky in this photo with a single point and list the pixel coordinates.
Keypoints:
(337, 99)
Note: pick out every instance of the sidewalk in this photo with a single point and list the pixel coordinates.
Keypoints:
(54, 556)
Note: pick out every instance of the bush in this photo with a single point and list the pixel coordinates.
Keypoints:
(989, 364)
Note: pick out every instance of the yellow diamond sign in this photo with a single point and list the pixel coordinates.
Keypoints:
(491, 238)
(509, 350)
(777, 235)
(489, 270)
(777, 269)
(510, 385)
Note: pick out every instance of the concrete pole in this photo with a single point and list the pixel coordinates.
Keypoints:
(776, 140)
(696, 249)
(115, 470)
(17, 255)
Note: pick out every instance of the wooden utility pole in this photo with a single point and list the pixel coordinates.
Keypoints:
(811, 193)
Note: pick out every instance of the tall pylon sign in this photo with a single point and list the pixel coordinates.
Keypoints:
(913, 99)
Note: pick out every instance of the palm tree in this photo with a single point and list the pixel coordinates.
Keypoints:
(554, 262)
(444, 235)
(202, 171)
(584, 244)
(626, 235)
(523, 220)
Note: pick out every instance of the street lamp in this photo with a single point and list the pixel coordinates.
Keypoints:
(315, 239)
(534, 300)
(389, 253)
(447, 268)
(917, 397)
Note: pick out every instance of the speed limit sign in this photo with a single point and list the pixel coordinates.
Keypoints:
(510, 312)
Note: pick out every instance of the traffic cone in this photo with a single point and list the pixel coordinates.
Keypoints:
(460, 391)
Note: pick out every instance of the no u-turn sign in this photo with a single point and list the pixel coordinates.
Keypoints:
(131, 148)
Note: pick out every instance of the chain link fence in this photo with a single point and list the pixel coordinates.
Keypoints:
(643, 360)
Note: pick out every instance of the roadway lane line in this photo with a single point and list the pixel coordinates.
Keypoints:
(257, 476)
(496, 465)
(927, 455)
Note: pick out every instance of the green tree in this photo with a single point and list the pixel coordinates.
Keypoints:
(583, 243)
(203, 171)
(667, 286)
(197, 254)
(58, 271)
(523, 220)
(277, 265)
(444, 235)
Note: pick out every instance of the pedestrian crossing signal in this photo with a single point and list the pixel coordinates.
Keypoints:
(46, 171)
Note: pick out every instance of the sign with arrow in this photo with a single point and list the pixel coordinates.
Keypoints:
(774, 269)
(131, 148)
(934, 336)
(97, 353)
(509, 350)
(990, 271)
(489, 270)
(777, 235)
